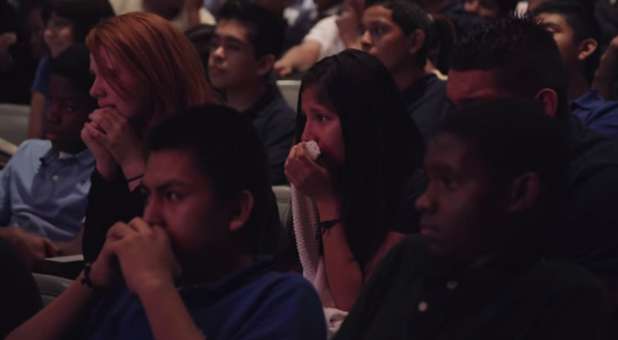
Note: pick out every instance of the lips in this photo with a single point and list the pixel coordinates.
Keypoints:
(216, 70)
(428, 230)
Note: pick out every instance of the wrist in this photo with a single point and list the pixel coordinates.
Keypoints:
(133, 168)
(154, 288)
(329, 208)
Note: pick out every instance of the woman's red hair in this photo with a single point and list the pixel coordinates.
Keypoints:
(161, 57)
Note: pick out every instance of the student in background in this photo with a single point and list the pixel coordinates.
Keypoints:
(576, 35)
(66, 22)
(398, 33)
(44, 187)
(246, 42)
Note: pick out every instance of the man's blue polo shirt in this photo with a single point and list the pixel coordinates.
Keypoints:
(45, 192)
(255, 303)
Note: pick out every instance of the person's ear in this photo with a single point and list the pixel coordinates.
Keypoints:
(241, 212)
(525, 191)
(416, 41)
(266, 64)
(550, 101)
(586, 48)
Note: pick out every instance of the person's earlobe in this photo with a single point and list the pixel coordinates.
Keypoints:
(242, 211)
(525, 191)
(549, 99)
(587, 48)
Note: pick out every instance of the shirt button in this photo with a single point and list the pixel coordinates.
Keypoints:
(451, 285)
(422, 306)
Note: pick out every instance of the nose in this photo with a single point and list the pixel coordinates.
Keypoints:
(152, 211)
(366, 42)
(426, 202)
(53, 112)
(308, 133)
(218, 52)
(96, 90)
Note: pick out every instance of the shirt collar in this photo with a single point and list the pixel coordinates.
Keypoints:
(84, 157)
(234, 280)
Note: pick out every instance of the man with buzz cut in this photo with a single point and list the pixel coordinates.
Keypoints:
(518, 58)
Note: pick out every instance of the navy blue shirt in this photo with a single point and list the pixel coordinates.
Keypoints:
(427, 104)
(275, 123)
(255, 303)
(596, 113)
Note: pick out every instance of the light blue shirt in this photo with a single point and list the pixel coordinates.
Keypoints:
(44, 192)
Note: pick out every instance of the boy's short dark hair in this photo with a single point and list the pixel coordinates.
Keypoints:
(84, 14)
(523, 54)
(228, 151)
(74, 64)
(512, 137)
(582, 22)
(409, 16)
(266, 30)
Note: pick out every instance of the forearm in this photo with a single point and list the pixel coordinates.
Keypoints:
(344, 273)
(303, 56)
(171, 322)
(345, 277)
(56, 319)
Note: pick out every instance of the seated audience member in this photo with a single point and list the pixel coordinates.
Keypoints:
(369, 147)
(18, 291)
(490, 8)
(245, 45)
(66, 22)
(183, 14)
(189, 267)
(474, 271)
(323, 40)
(135, 59)
(397, 32)
(519, 58)
(576, 34)
(44, 187)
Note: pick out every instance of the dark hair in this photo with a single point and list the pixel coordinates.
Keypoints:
(227, 150)
(266, 30)
(583, 23)
(505, 7)
(83, 14)
(513, 137)
(523, 55)
(383, 147)
(74, 64)
(409, 16)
